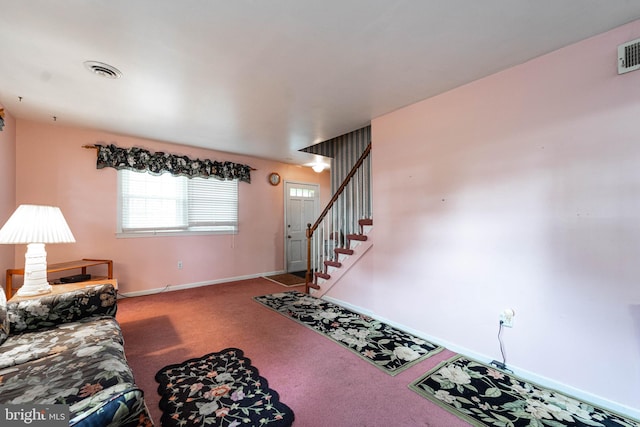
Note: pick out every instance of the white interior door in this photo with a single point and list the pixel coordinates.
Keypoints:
(302, 203)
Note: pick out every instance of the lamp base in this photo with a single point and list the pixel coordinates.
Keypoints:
(35, 272)
(32, 292)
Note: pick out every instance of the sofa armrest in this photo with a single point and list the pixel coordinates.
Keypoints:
(50, 310)
(125, 409)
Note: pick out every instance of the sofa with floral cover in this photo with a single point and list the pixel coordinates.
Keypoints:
(68, 349)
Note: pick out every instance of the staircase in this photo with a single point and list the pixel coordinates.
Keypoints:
(343, 259)
(342, 233)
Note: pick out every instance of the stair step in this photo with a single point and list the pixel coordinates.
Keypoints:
(313, 285)
(360, 237)
(323, 275)
(365, 222)
(344, 251)
(333, 264)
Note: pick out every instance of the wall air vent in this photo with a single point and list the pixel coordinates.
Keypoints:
(629, 56)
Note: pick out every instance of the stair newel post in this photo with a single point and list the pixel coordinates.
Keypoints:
(308, 275)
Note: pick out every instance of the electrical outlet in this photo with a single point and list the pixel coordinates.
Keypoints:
(179, 265)
(506, 317)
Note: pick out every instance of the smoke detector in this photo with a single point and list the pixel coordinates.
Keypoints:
(103, 70)
(629, 56)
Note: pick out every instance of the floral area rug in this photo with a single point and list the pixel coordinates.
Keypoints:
(388, 348)
(485, 396)
(219, 389)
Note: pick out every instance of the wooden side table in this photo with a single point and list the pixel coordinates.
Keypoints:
(67, 287)
(81, 264)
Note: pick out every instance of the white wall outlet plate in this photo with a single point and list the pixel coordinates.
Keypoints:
(506, 317)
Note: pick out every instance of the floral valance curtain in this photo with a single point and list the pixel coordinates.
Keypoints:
(139, 159)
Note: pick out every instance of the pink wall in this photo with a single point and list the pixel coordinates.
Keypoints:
(52, 168)
(7, 186)
(519, 190)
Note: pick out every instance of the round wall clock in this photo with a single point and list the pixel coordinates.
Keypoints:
(274, 178)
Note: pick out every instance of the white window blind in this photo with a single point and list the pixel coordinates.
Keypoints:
(170, 204)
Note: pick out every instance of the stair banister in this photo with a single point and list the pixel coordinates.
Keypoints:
(311, 229)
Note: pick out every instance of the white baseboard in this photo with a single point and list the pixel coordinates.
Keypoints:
(169, 288)
(522, 373)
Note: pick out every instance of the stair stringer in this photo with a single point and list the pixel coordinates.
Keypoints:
(359, 249)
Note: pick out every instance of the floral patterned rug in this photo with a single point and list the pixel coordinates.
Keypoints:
(386, 347)
(485, 396)
(219, 389)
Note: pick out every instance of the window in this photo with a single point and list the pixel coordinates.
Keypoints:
(301, 192)
(158, 204)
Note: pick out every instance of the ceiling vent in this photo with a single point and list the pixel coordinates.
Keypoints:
(103, 70)
(629, 56)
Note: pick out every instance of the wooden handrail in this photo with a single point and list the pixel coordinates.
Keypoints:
(337, 194)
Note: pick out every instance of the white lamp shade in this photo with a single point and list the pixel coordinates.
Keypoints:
(36, 224)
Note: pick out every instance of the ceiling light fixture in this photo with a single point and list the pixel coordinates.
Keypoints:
(103, 70)
(318, 167)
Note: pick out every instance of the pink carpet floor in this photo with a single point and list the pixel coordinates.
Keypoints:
(324, 384)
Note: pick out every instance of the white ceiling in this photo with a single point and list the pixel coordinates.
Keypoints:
(268, 77)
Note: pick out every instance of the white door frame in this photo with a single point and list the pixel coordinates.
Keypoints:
(286, 186)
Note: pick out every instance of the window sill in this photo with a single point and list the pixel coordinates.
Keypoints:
(139, 234)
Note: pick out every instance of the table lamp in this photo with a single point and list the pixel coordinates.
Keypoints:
(34, 226)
